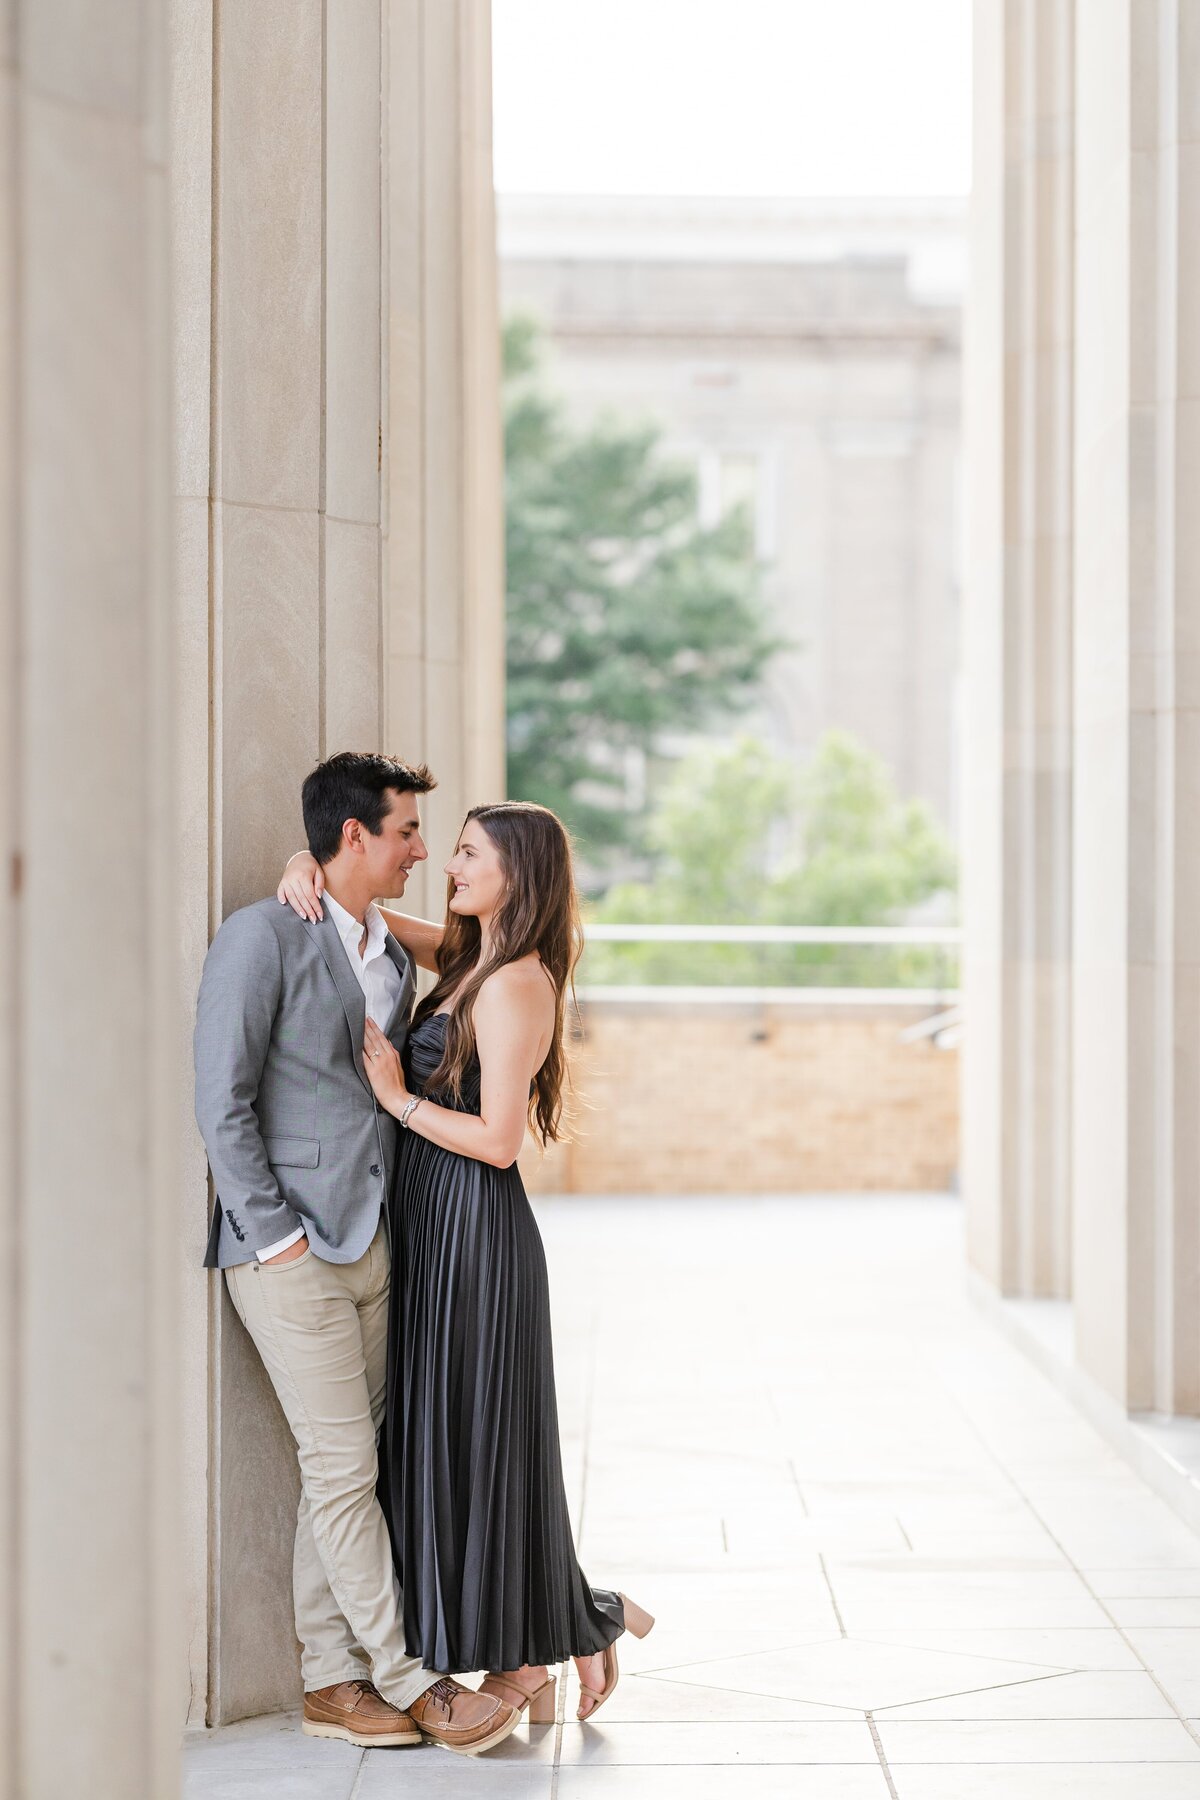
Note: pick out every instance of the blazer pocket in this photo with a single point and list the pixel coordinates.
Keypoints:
(293, 1152)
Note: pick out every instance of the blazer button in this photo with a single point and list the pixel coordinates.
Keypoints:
(375, 1169)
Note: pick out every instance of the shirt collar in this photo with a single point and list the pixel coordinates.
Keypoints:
(350, 931)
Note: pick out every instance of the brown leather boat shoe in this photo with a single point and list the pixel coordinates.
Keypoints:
(459, 1719)
(353, 1710)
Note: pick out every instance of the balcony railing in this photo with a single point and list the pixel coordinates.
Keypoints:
(785, 964)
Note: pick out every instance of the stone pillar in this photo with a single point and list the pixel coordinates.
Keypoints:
(443, 531)
(1017, 651)
(334, 367)
(1137, 690)
(88, 825)
(10, 566)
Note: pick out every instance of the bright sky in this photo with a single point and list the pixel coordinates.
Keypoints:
(776, 97)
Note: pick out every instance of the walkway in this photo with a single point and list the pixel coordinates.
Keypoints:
(886, 1557)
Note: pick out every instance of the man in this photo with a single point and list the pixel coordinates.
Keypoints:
(301, 1157)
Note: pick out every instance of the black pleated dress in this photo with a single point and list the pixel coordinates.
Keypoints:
(471, 1474)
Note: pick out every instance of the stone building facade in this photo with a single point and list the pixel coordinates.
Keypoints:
(803, 356)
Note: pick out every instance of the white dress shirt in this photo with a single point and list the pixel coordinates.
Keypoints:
(380, 981)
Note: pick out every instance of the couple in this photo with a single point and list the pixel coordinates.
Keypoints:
(379, 1249)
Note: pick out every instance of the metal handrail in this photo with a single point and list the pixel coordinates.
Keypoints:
(947, 935)
(944, 1027)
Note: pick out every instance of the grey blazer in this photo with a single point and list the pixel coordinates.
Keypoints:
(293, 1132)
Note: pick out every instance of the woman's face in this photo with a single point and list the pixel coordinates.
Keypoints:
(477, 874)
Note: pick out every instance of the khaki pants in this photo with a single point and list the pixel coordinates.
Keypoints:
(321, 1330)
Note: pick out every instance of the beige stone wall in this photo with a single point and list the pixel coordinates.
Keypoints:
(719, 1098)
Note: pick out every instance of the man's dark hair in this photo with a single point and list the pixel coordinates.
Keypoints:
(354, 785)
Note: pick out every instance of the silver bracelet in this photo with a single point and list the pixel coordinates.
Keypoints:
(409, 1110)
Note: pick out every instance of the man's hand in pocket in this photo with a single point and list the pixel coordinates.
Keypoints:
(290, 1254)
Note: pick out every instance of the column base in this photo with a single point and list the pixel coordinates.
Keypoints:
(1162, 1449)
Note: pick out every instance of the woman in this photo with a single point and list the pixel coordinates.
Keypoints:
(471, 1466)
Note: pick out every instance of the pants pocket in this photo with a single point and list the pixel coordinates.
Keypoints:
(285, 1268)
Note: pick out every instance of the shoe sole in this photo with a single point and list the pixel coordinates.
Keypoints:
(375, 1740)
(477, 1749)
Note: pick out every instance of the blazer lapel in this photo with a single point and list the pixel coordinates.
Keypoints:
(324, 934)
(408, 986)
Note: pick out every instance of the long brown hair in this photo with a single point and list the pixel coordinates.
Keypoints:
(538, 912)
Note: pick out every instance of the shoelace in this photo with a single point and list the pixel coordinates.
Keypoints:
(444, 1691)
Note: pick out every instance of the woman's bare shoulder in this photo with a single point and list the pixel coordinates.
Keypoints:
(522, 983)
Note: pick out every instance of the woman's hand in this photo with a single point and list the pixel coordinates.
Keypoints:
(384, 1070)
(302, 885)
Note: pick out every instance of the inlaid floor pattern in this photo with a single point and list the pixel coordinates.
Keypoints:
(888, 1560)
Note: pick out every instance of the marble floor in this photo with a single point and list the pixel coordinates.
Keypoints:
(887, 1558)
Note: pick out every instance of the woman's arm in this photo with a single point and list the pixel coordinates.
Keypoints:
(303, 883)
(421, 937)
(514, 1017)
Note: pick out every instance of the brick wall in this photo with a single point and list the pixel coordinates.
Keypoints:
(713, 1097)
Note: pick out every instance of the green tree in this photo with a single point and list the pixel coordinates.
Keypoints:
(742, 837)
(626, 618)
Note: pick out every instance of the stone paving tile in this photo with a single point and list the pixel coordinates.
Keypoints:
(1053, 1649)
(754, 1782)
(1124, 1584)
(1156, 1609)
(972, 1741)
(1048, 1781)
(841, 1492)
(434, 1774)
(1173, 1652)
(830, 1743)
(855, 1672)
(1083, 1694)
(1023, 1549)
(268, 1759)
(644, 1699)
(669, 1649)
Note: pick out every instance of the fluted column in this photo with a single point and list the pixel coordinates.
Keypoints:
(1137, 738)
(10, 565)
(338, 559)
(443, 500)
(277, 369)
(88, 1115)
(1017, 651)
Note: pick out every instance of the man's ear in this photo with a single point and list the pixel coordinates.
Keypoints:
(352, 834)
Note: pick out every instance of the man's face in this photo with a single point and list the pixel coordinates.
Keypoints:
(391, 856)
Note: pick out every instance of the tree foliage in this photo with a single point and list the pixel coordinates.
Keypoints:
(743, 837)
(626, 618)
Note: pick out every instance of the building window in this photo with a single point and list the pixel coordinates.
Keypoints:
(730, 479)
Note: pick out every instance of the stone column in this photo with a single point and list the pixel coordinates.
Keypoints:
(332, 324)
(91, 1693)
(443, 529)
(278, 235)
(1017, 651)
(1137, 736)
(10, 566)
